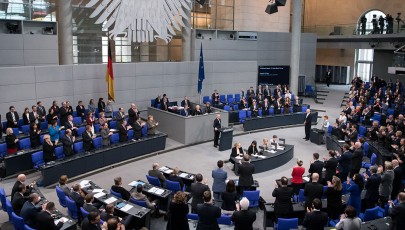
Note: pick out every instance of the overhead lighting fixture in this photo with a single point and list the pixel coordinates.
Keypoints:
(271, 8)
(201, 2)
(281, 2)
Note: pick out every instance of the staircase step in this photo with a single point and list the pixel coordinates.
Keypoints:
(322, 95)
(323, 91)
(320, 98)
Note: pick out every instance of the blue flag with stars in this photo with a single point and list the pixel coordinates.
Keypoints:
(201, 75)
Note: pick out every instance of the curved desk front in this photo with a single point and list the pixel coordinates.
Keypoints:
(271, 160)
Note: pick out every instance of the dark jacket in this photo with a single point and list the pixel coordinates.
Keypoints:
(10, 122)
(252, 150)
(124, 193)
(235, 153)
(357, 158)
(67, 145)
(156, 173)
(330, 166)
(86, 225)
(80, 111)
(217, 124)
(334, 196)
(207, 215)
(316, 167)
(90, 208)
(29, 213)
(245, 172)
(63, 115)
(178, 217)
(132, 116)
(344, 162)
(372, 185)
(46, 222)
(315, 220)
(87, 141)
(283, 204)
(77, 198)
(48, 152)
(312, 190)
(10, 141)
(397, 214)
(137, 130)
(182, 103)
(197, 192)
(228, 200)
(123, 133)
(15, 189)
(176, 179)
(243, 220)
(101, 106)
(18, 203)
(34, 138)
(397, 183)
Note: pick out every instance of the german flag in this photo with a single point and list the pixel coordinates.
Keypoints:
(109, 78)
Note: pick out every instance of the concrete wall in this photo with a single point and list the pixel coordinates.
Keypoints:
(269, 49)
(134, 82)
(336, 57)
(251, 16)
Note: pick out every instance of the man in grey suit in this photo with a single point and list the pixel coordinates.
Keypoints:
(105, 134)
(120, 116)
(68, 140)
(384, 108)
(387, 178)
(41, 111)
(220, 176)
(155, 173)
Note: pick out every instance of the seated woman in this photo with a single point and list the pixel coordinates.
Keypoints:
(237, 151)
(266, 146)
(34, 135)
(253, 149)
(62, 185)
(208, 107)
(229, 198)
(175, 178)
(242, 103)
(12, 141)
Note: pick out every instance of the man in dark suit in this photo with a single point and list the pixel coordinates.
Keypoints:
(164, 106)
(283, 206)
(109, 214)
(123, 131)
(197, 111)
(254, 109)
(315, 219)
(185, 102)
(330, 165)
(45, 219)
(158, 100)
(344, 162)
(34, 117)
(328, 77)
(397, 212)
(307, 123)
(372, 187)
(68, 140)
(120, 116)
(133, 114)
(243, 219)
(352, 133)
(20, 180)
(276, 90)
(92, 222)
(155, 173)
(277, 106)
(260, 99)
(250, 91)
(197, 191)
(245, 171)
(265, 108)
(316, 166)
(88, 139)
(81, 110)
(186, 111)
(89, 205)
(138, 128)
(397, 184)
(18, 199)
(357, 158)
(366, 117)
(29, 211)
(208, 214)
(117, 187)
(70, 124)
(12, 118)
(297, 105)
(215, 98)
(63, 113)
(259, 90)
(41, 112)
(267, 92)
(217, 126)
(313, 190)
(77, 195)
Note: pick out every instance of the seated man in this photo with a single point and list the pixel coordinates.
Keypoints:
(314, 218)
(197, 111)
(243, 218)
(45, 219)
(186, 111)
(208, 213)
(29, 212)
(77, 195)
(109, 214)
(155, 173)
(197, 191)
(274, 141)
(20, 180)
(151, 204)
(118, 189)
(92, 222)
(123, 131)
(254, 109)
(88, 139)
(89, 206)
(164, 105)
(185, 102)
(18, 199)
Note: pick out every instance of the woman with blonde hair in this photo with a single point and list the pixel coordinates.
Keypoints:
(102, 120)
(296, 181)
(237, 151)
(334, 201)
(151, 125)
(12, 141)
(266, 145)
(48, 149)
(175, 178)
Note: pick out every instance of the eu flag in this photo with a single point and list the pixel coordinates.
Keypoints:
(201, 75)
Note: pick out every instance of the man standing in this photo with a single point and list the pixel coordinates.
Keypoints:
(371, 186)
(45, 219)
(313, 190)
(259, 90)
(267, 93)
(328, 77)
(220, 176)
(41, 111)
(70, 124)
(330, 165)
(138, 128)
(277, 106)
(357, 158)
(208, 213)
(315, 219)
(397, 185)
(316, 166)
(68, 141)
(133, 114)
(215, 98)
(120, 116)
(12, 118)
(34, 117)
(254, 109)
(245, 171)
(217, 126)
(197, 191)
(307, 123)
(344, 162)
(243, 218)
(283, 206)
(397, 212)
(88, 139)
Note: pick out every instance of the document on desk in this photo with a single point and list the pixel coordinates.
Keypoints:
(305, 178)
(63, 218)
(100, 194)
(239, 158)
(97, 190)
(272, 151)
(169, 171)
(164, 168)
(342, 141)
(110, 200)
(84, 183)
(159, 191)
(183, 175)
(262, 156)
(126, 208)
(153, 190)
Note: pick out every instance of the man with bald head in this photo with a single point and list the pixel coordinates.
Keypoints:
(217, 126)
(20, 180)
(397, 185)
(313, 190)
(307, 123)
(357, 158)
(133, 114)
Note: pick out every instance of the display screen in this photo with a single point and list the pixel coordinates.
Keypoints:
(274, 75)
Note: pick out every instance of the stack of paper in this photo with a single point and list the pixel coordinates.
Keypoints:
(262, 156)
(306, 178)
(191, 177)
(126, 208)
(272, 151)
(183, 175)
(85, 183)
(159, 191)
(97, 190)
(153, 190)
(239, 158)
(64, 219)
(98, 195)
(132, 183)
(110, 200)
(164, 168)
(169, 171)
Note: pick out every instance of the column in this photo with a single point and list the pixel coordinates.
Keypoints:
(65, 32)
(295, 46)
(186, 36)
